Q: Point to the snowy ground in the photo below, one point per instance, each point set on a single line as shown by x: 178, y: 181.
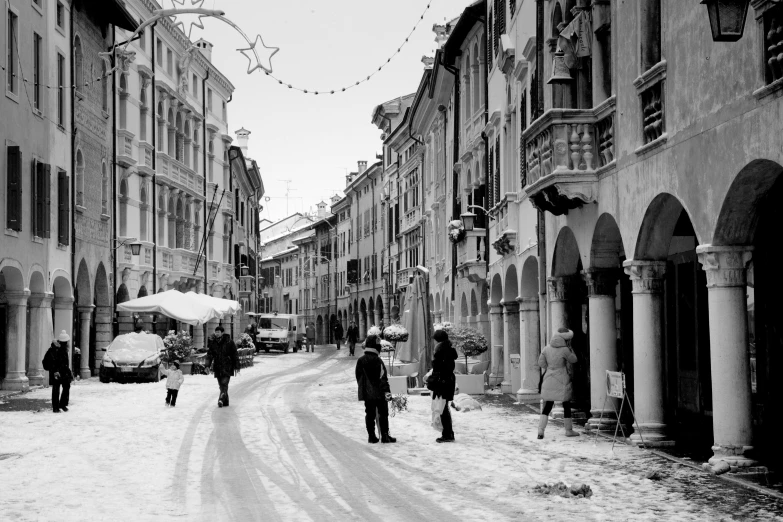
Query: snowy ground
x: 292, y: 446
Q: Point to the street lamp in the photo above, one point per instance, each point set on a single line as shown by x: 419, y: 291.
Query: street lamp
x: 135, y: 246
x: 244, y: 270
x: 468, y: 219
x: 727, y: 18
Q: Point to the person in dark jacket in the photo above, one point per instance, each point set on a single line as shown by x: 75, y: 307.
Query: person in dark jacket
x: 338, y: 334
x: 223, y: 358
x: 374, y: 390
x: 353, y: 337
x: 443, y: 380
x: 56, y: 363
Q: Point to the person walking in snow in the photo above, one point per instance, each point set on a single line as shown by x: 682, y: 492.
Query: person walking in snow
x: 352, y: 336
x: 223, y: 358
x: 173, y: 382
x: 443, y: 380
x: 374, y: 390
x: 554, y: 360
x: 338, y: 333
x: 310, y: 335
x: 56, y: 363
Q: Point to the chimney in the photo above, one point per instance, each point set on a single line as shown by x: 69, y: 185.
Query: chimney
x: 441, y: 34
x: 334, y: 199
x: 321, y: 209
x: 349, y: 178
x: 206, y: 49
x: 243, y: 135
x: 362, y: 166
x: 428, y: 61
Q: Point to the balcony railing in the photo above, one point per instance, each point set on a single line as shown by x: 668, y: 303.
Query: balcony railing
x: 471, y: 255
x: 403, y: 277
x: 565, y: 150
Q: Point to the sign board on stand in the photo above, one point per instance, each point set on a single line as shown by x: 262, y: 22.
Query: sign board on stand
x: 615, y: 387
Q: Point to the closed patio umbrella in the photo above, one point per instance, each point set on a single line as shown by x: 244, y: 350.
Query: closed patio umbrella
x: 176, y: 305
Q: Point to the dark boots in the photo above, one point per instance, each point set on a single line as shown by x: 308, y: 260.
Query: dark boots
x: 387, y: 439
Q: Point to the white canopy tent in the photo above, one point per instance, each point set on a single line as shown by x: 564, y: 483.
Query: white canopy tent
x: 190, y: 308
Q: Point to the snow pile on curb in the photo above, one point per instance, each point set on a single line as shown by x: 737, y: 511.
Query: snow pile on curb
x: 562, y: 490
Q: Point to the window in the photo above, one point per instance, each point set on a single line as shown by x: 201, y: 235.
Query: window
x: 225, y: 112
x: 78, y: 63
x: 60, y: 90
x: 169, y: 61
x: 79, y: 179
x: 159, y: 53
x: 653, y: 111
x: 40, y: 183
x: 143, y: 115
x: 123, y: 102
x: 104, y: 87
x: 209, y: 99
x: 104, y: 190
x: 37, y: 73
x: 143, y: 40
x: 63, y: 207
x: 650, y: 34
x: 60, y: 15
x: 195, y: 86
x: 773, y: 37
x: 13, y: 188
x: 11, y: 62
x: 123, y: 208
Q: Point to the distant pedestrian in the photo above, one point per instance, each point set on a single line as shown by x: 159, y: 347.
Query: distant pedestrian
x: 554, y: 360
x: 442, y: 382
x: 56, y: 363
x: 173, y: 382
x: 374, y: 390
x: 310, y: 335
x: 223, y: 358
x: 353, y: 337
x: 338, y: 334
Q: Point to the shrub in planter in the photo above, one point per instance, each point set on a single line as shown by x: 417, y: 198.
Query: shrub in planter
x: 245, y: 341
x: 395, y: 333
x: 469, y: 341
x: 456, y: 231
x: 179, y: 346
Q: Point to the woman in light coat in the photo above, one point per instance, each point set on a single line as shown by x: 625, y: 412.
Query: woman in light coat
x: 554, y: 360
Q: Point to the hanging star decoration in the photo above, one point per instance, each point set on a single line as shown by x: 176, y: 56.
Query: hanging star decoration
x: 198, y: 4
x: 259, y: 52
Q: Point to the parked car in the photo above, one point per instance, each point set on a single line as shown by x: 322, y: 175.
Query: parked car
x: 277, y: 331
x: 132, y: 357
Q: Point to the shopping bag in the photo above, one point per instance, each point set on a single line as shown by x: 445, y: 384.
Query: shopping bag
x: 437, y: 409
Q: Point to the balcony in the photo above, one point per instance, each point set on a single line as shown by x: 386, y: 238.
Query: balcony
x: 125, y: 148
x: 404, y: 277
x: 566, y: 150
x: 145, y: 158
x: 178, y: 175
x: 471, y: 261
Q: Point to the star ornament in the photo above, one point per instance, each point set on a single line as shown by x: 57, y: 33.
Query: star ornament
x: 262, y: 54
x: 197, y: 4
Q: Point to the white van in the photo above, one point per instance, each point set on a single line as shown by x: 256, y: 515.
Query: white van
x: 277, y: 331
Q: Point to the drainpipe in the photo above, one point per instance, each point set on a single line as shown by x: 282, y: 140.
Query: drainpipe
x: 114, y: 173
x: 455, y: 158
x: 204, y: 170
x: 73, y: 168
x: 154, y: 108
x: 484, y: 136
x: 543, y: 308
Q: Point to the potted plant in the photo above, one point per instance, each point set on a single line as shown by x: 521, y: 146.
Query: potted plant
x: 178, y: 347
x: 247, y: 347
x: 471, y: 343
x: 393, y: 334
x: 456, y: 231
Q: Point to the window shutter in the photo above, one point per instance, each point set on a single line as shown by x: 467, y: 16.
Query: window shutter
x: 496, y: 29
x: 38, y: 199
x: 47, y: 202
x: 14, y: 202
x: 489, y: 41
x: 34, y: 191
x: 490, y: 179
x: 497, y: 170
x: 502, y: 17
x: 63, y: 208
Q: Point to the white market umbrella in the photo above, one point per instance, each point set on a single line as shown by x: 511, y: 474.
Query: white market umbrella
x: 411, y: 350
x: 174, y: 304
x: 224, y: 306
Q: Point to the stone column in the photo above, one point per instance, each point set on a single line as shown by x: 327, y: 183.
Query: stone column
x: 648, y: 367
x: 40, y: 335
x: 16, y: 337
x: 103, y: 333
x: 729, y: 364
x: 559, y: 292
x: 511, y: 345
x: 85, y: 318
x: 496, y: 342
x: 601, y: 288
x: 377, y: 317
x: 438, y: 316
x: 484, y: 327
x: 362, y: 326
x: 529, y: 349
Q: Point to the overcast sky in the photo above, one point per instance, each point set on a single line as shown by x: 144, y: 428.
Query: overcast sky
x: 324, y: 44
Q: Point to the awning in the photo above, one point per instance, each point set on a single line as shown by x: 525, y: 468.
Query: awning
x: 183, y: 307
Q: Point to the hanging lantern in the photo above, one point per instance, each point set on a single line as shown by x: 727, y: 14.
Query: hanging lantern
x: 727, y: 18
x: 560, y: 73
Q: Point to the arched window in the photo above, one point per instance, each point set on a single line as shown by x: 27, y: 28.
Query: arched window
x: 172, y: 145
x: 78, y: 63
x: 104, y: 189
x: 143, y: 214
x: 178, y: 139
x: 104, y: 87
x: 143, y: 115
x: 180, y: 225
x: 226, y: 171
x: 124, y: 208
x: 187, y: 227
x: 476, y: 75
x: 161, y: 127
x: 211, y: 159
x: 172, y: 235
x: 195, y: 151
x: 466, y: 81
x: 161, y: 239
x: 79, y: 178
x: 226, y: 237
x: 123, y: 102
x: 186, y: 146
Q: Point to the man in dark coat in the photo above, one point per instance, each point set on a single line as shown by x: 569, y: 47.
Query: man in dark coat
x: 443, y: 380
x: 374, y: 390
x: 353, y: 337
x: 338, y: 333
x: 310, y: 336
x: 56, y: 363
x: 223, y: 358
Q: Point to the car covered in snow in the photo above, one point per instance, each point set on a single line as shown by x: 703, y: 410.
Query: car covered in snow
x: 277, y: 331
x: 132, y: 357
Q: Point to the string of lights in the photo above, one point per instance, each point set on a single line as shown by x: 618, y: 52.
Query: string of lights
x: 361, y: 81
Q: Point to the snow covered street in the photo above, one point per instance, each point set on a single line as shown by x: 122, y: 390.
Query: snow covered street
x: 292, y: 446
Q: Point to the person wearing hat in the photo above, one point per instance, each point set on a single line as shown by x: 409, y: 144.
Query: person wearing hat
x: 554, y: 360
x: 374, y: 390
x: 173, y: 382
x: 56, y: 363
x: 223, y: 358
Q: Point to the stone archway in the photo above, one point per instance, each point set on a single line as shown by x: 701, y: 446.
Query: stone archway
x: 371, y: 312
x: 379, y: 315
x: 671, y: 345
x: 39, y: 326
x: 13, y: 326
x: 530, y: 335
x: 101, y: 324
x: 497, y: 340
x: 511, y: 346
x: 743, y: 276
x: 463, y: 309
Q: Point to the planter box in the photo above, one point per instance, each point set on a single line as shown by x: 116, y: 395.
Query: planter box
x: 398, y: 385
x: 470, y: 384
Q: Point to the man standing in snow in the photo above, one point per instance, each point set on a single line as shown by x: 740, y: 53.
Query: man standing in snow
x: 374, y: 390
x: 56, y: 363
x: 353, y: 337
x: 310, y: 334
x: 224, y: 360
x: 338, y: 333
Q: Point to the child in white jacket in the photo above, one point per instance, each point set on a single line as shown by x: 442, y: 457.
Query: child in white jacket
x: 174, y: 381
